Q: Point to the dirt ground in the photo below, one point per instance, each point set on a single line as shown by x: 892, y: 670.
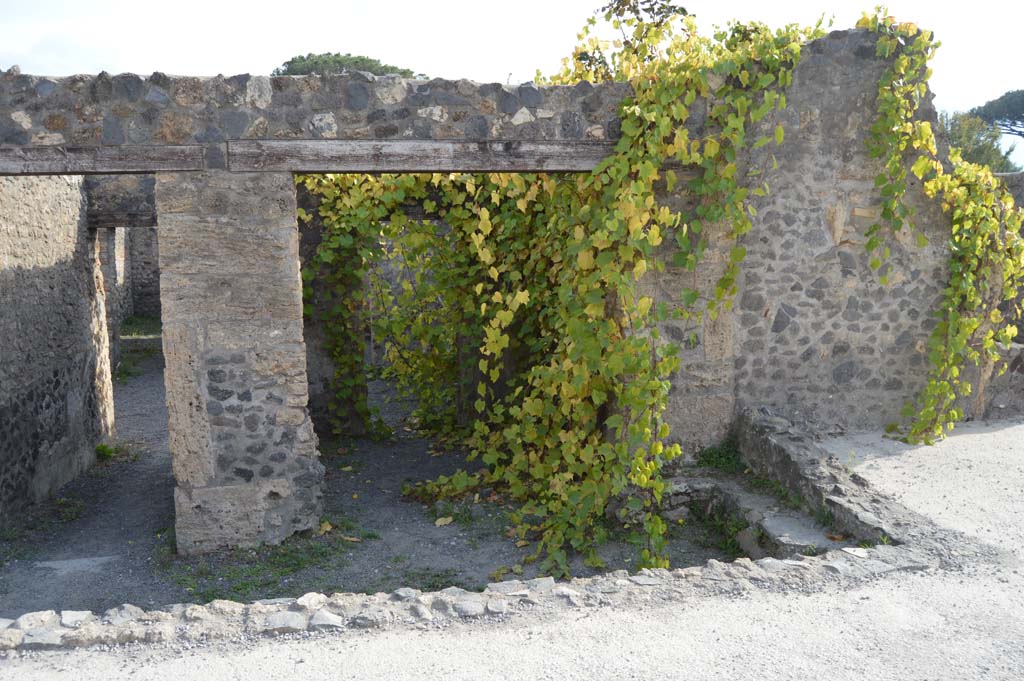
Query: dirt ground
x: 107, y: 537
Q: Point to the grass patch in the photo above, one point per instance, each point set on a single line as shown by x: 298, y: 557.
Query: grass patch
x: 719, y: 532
x: 724, y: 457
x: 130, y: 363
x: 68, y: 510
x: 140, y: 327
x: 106, y: 453
x: 461, y: 512
x: 265, y: 571
x: 777, y: 490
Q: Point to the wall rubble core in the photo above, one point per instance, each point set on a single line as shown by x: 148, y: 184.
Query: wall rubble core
x: 242, y: 442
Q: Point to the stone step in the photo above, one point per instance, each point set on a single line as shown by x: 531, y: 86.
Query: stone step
x: 773, y: 528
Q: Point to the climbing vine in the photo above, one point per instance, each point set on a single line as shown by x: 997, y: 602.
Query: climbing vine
x: 986, y: 266
x: 524, y: 299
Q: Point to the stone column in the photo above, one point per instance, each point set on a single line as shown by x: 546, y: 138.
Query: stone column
x: 242, y: 443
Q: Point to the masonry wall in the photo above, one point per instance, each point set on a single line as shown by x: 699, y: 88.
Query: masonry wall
x: 55, y: 394
x: 145, y: 271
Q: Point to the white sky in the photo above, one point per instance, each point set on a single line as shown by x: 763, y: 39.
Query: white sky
x: 482, y: 40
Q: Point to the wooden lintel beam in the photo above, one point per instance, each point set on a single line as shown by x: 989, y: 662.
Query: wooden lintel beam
x: 81, y: 160
x: 397, y: 156
x: 106, y: 219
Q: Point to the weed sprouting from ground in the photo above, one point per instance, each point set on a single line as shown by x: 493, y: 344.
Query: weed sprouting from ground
x: 131, y: 361
x: 724, y: 457
x: 140, y: 327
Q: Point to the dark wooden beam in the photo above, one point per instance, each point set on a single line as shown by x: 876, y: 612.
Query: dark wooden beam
x: 398, y: 156
x: 101, y: 219
x: 69, y: 160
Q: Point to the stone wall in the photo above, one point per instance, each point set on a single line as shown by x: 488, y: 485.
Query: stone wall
x: 56, y: 401
x: 816, y: 335
x: 160, y: 110
x: 145, y: 271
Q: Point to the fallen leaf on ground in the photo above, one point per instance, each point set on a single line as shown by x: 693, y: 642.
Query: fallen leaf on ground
x: 347, y: 538
x: 346, y: 469
x: 441, y: 522
x: 325, y: 527
x: 522, y: 542
x: 836, y: 537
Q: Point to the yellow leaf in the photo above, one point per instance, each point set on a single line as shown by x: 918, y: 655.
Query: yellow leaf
x: 494, y: 273
x: 639, y: 267
x: 346, y: 469
x: 355, y: 496
x: 325, y: 527
x: 585, y: 259
x: 441, y: 522
x: 352, y: 539
x: 521, y: 543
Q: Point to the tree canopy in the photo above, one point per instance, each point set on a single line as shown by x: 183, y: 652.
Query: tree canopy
x: 1006, y: 112
x: 327, y: 63
x: 978, y: 141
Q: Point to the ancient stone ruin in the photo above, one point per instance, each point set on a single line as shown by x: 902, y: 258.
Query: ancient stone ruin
x: 813, y: 334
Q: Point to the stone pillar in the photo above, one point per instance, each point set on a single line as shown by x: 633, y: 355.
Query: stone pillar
x: 242, y: 443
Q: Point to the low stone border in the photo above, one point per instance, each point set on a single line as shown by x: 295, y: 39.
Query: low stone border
x: 771, y: 445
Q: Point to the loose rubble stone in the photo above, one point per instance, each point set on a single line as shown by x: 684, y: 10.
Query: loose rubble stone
x: 371, y: 618
x: 226, y: 608
x: 73, y: 619
x: 43, y: 619
x: 421, y: 612
x: 123, y: 613
x: 468, y: 607
x: 540, y: 584
x: 404, y: 594
x: 645, y: 580
x: 325, y: 619
x: 42, y: 639
x: 11, y: 638
x: 285, y: 622
x: 310, y: 602
x: 497, y: 607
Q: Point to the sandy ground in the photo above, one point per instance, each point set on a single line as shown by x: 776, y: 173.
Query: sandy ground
x: 967, y: 624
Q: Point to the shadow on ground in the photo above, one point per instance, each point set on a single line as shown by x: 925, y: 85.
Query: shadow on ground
x: 107, y: 538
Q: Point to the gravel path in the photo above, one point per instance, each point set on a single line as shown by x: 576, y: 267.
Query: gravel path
x: 96, y: 544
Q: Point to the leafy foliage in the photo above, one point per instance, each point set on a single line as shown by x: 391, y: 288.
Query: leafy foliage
x: 524, y: 292
x: 1006, y: 112
x: 334, y: 62
x: 986, y: 250
x: 978, y: 141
